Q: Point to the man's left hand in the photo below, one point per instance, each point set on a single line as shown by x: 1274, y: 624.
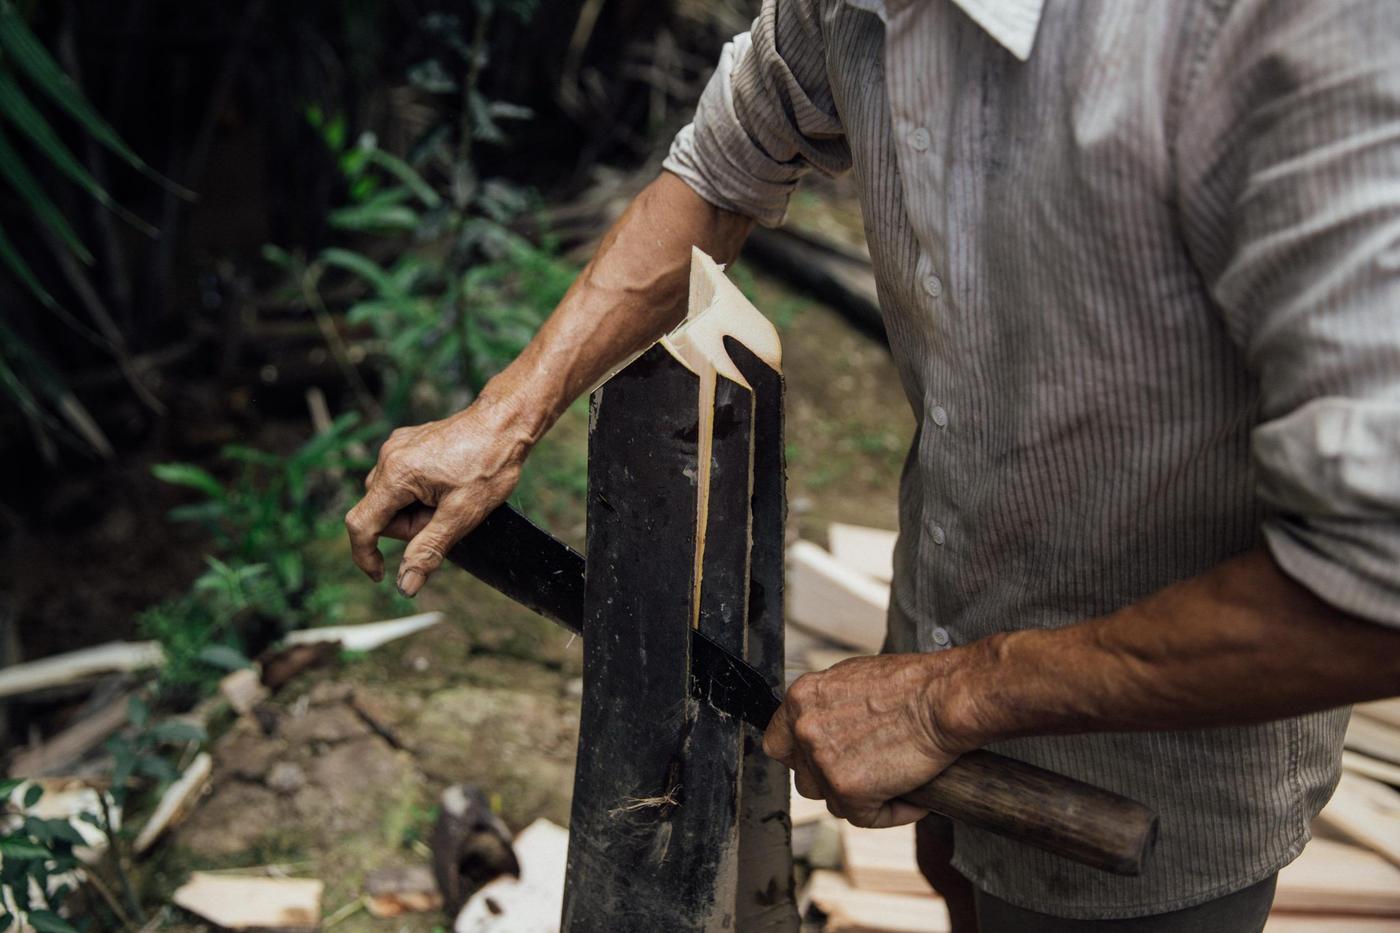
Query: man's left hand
x: 865, y: 731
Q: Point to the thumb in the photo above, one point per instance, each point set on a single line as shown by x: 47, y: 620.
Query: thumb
x: 450, y: 523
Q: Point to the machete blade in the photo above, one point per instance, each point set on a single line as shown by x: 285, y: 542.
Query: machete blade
x: 519, y: 559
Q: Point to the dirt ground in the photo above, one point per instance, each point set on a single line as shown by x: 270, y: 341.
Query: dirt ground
x: 491, y: 696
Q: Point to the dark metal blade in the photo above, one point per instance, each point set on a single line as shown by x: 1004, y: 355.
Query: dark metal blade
x: 516, y: 557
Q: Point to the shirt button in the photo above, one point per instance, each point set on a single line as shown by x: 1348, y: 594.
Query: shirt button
x: 938, y: 536
x: 933, y: 285
x: 940, y: 637
x: 919, y: 138
x: 940, y: 417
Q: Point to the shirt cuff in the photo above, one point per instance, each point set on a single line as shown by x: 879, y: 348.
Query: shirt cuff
x: 720, y: 161
x: 1330, y: 471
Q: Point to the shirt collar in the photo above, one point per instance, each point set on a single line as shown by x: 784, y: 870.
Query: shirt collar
x: 1012, y: 23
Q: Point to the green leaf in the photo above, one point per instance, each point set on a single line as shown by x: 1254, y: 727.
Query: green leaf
x: 14, y: 170
x: 176, y: 731
x: 7, y: 787
x: 224, y: 657
x: 25, y: 117
x: 16, y: 264
x: 31, y: 796
x: 374, y: 217
x: 46, y: 921
x: 22, y: 850
x: 187, y: 474
x: 362, y: 266
x: 407, y: 176
x: 64, y: 831
x: 137, y: 712
x: 6, y: 919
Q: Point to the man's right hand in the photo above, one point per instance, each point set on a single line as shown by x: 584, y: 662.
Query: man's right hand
x: 432, y: 485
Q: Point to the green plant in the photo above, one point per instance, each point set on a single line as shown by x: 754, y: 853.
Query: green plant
x: 36, y: 864
x: 262, y: 579
x: 27, y: 378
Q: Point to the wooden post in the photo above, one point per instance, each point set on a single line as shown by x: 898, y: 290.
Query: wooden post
x: 679, y: 822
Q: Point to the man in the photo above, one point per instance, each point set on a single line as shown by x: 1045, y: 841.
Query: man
x: 1140, y: 269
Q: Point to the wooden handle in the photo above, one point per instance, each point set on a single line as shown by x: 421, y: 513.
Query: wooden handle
x: 1043, y: 809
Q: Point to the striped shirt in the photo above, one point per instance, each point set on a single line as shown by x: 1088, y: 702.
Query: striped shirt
x: 1139, y: 264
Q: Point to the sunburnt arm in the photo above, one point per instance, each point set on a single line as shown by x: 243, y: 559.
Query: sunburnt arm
x: 1241, y: 643
x: 433, y: 483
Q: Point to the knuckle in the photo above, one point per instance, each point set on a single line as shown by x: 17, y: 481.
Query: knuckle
x: 807, y: 731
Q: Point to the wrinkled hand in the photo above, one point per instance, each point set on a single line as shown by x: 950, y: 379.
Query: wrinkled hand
x: 865, y: 731
x: 432, y: 485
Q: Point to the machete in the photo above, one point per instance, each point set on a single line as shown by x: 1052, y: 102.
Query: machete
x: 1021, y: 801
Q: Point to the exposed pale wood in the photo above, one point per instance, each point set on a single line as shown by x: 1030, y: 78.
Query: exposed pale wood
x: 1334, y: 877
x: 850, y: 910
x: 68, y: 747
x: 1282, y: 922
x: 533, y: 902
x: 77, y: 666
x: 833, y: 600
x: 243, y: 902
x: 243, y: 689
x: 869, y: 550
x: 1386, y: 711
x: 1367, y: 813
x: 820, y: 659
x: 176, y: 803
x: 1374, y: 737
x: 366, y: 636
x: 1373, y: 768
x: 882, y: 860
x: 393, y: 892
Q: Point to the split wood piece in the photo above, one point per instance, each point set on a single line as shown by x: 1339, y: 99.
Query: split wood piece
x: 243, y: 689
x: 658, y: 811
x: 117, y: 657
x: 869, y: 550
x: 851, y: 910
x: 60, y: 753
x: 1367, y: 813
x: 1373, y: 768
x: 1283, y: 922
x: 532, y: 902
x: 176, y: 803
x: 882, y: 860
x: 393, y: 892
x: 366, y: 636
x: 1386, y: 711
x: 1334, y: 877
x: 246, y: 902
x: 1374, y: 737
x: 829, y: 598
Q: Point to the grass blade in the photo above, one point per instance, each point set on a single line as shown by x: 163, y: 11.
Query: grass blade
x: 14, y: 170
x: 18, y: 109
x: 30, y: 56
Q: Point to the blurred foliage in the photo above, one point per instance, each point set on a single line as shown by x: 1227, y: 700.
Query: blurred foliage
x: 263, y: 579
x: 36, y: 863
x: 28, y: 380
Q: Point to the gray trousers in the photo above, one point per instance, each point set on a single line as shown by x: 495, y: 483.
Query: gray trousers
x: 1242, y: 912
x: 975, y: 911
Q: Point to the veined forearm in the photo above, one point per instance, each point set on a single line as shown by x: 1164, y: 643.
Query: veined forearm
x: 1242, y: 643
x: 631, y: 293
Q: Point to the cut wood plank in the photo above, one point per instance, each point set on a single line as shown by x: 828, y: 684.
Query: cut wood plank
x: 831, y: 599
x: 882, y: 860
x: 243, y: 689
x: 65, y: 749
x: 1280, y: 922
x: 76, y: 666
x: 246, y: 902
x: 366, y: 636
x: 393, y: 892
x: 1335, y: 877
x: 851, y: 910
x: 531, y: 903
x: 1373, y: 768
x: 1374, y: 737
x: 869, y: 550
x: 177, y: 801
x: 1367, y: 813
x: 1386, y: 711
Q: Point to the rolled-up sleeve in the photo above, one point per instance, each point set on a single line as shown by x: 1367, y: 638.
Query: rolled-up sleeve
x: 766, y: 118
x: 1308, y: 280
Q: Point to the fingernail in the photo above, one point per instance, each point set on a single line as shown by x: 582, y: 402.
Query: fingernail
x: 410, y: 582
